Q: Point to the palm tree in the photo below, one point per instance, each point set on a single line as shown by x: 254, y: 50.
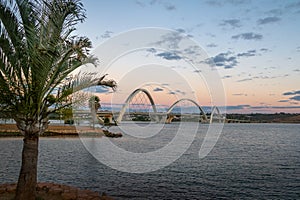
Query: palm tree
x: 38, y: 51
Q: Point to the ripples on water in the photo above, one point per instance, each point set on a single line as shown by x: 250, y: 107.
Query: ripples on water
x: 250, y: 161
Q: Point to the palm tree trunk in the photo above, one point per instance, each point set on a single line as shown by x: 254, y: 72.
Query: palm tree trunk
x: 26, y: 188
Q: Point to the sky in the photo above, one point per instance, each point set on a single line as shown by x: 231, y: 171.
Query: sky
x: 255, y: 46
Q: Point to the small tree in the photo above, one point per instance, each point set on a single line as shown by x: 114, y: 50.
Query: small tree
x: 37, y: 54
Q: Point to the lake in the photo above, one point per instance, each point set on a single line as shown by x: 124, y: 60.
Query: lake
x: 249, y: 161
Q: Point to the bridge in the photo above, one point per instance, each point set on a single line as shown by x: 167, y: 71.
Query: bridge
x: 153, y: 114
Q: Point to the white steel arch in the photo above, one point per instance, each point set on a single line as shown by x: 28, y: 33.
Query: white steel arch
x: 190, y: 100
x: 216, y: 110
x: 130, y: 97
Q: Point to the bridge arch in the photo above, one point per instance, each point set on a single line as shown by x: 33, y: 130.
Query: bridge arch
x: 190, y: 100
x: 130, y: 97
x: 216, y: 110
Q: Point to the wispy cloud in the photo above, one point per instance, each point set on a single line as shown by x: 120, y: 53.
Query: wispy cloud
x: 226, y: 76
x: 249, y: 53
x: 167, y: 5
x: 291, y: 93
x: 268, y: 20
x: 158, y: 89
x: 171, y: 39
x: 239, y: 94
x: 168, y: 55
x: 233, y: 23
x: 140, y: 3
x: 211, y: 35
x: 276, y: 12
x: 244, y: 80
x: 265, y: 50
x: 248, y: 36
x: 106, y: 34
x: 177, y: 92
x: 293, y: 5
x: 180, y: 30
x: 211, y: 45
x: 224, y: 2
x: 283, y: 101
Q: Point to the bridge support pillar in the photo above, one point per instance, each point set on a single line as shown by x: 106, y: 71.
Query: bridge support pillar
x: 169, y: 119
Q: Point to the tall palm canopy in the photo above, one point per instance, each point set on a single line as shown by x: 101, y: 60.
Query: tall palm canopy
x: 38, y: 51
x: 37, y: 54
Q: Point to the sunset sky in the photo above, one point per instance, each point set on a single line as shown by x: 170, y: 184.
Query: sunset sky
x: 255, y: 44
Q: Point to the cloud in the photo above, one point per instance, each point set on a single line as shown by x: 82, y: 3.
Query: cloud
x: 177, y: 92
x: 227, y: 76
x: 224, y: 2
x: 214, y: 3
x: 151, y: 50
x: 288, y: 93
x: 234, y: 23
x: 158, y: 89
x: 167, y: 5
x: 296, y: 70
x: 265, y: 50
x: 140, y: 3
x: 283, y: 101
x: 225, y: 60
x: 295, y: 98
x: 169, y: 56
x: 240, y: 94
x: 298, y: 49
x: 249, y: 53
x: 106, y: 34
x: 293, y: 5
x: 291, y: 93
x: 245, y: 79
x: 211, y: 35
x: 171, y: 40
x: 275, y: 12
x: 180, y: 30
x: 248, y: 36
x: 268, y: 20
x: 211, y: 45
x: 180, y: 92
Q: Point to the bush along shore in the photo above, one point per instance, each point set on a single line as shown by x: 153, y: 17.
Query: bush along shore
x: 10, y: 130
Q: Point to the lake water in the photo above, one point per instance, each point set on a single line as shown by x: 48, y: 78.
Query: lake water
x: 249, y: 161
